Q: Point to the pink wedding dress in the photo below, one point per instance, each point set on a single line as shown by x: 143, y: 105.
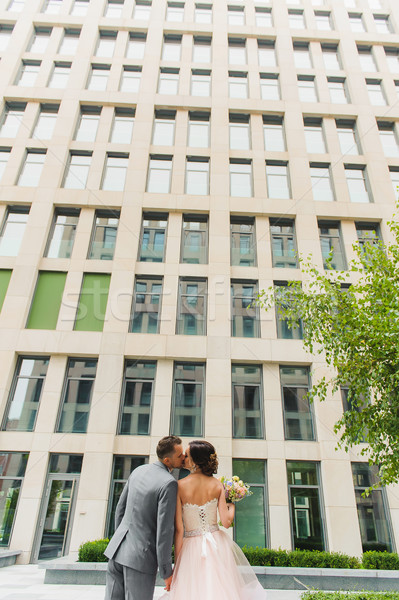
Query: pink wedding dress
x: 210, y: 565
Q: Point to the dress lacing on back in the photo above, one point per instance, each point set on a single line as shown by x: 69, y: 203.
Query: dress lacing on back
x: 198, y: 519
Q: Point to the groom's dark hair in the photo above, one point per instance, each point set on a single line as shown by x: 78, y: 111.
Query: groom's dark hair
x: 167, y: 445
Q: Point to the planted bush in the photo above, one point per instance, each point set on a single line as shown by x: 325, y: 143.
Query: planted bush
x: 381, y: 560
x: 93, y: 551
x: 265, y: 557
x: 349, y: 596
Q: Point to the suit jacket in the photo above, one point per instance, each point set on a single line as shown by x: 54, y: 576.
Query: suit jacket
x: 144, y: 521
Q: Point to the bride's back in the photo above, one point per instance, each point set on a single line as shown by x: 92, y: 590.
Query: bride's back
x: 199, y: 489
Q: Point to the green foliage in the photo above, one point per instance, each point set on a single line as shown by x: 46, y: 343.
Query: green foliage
x: 349, y: 596
x: 381, y: 560
x: 352, y: 318
x: 93, y: 551
x: 264, y: 557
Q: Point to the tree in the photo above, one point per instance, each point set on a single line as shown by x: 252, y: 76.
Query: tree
x: 353, y: 318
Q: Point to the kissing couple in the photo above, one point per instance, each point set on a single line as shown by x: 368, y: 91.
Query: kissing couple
x: 154, y: 510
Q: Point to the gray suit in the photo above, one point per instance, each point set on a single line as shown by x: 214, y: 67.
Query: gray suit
x: 142, y: 542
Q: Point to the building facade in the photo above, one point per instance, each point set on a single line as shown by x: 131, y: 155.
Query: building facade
x: 161, y: 162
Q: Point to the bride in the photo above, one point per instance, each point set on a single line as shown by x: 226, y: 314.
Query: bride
x: 208, y: 564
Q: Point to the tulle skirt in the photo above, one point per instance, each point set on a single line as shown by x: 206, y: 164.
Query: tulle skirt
x: 217, y: 570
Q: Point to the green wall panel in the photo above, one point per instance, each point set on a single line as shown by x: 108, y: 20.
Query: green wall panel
x: 47, y: 300
x: 5, y: 276
x: 92, y: 302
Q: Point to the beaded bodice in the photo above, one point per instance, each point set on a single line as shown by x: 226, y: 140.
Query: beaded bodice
x: 200, y: 519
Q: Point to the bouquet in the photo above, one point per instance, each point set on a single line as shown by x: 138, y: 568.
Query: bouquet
x: 234, y: 488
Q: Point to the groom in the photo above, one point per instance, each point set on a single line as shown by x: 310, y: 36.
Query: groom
x: 144, y: 521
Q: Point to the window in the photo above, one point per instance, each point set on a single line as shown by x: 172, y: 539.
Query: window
x: 277, y: 178
x: 77, y: 170
x: 175, y: 12
x: 394, y: 173
x: 203, y: 13
x: 243, y: 241
x: 69, y: 42
x: 283, y: 241
x: 366, y: 58
x: 59, y: 76
x: 250, y: 521
x: 142, y: 10
x: 356, y: 178
x: 397, y: 87
x: 237, y: 51
x: 136, y: 45
x: 321, y: 182
x: 16, y: 6
x: 332, y: 250
x: 28, y: 73
x: 267, y: 53
x: 307, y: 88
x: 159, y: 174
x: 392, y: 56
x: 235, y: 15
x: 45, y: 123
x: 13, y: 229
x: 46, y: 301
x: 305, y: 505
x: 194, y: 240
x: 123, y: 466
x: 146, y: 305
x: 238, y: 84
x: 298, y: 418
x: 284, y: 331
x: 240, y: 178
x: 356, y: 23
x: 198, y: 129
x: 52, y: 7
x: 92, y: 302
x: 247, y: 402
x: 77, y: 393
x: 239, y: 132
x: 103, y: 239
x: 338, y: 90
x: 323, y: 20
x: 296, y: 19
x: 11, y: 119
x: 269, y: 86
x: 4, y: 156
x: 32, y: 168
x: 106, y: 44
x: 98, y: 77
x: 115, y: 170
x: 302, y: 56
x: 273, y: 133
x: 374, y: 4
x: 331, y: 57
x: 383, y: 24
x: 368, y: 234
x: 372, y: 510
x: 130, y: 80
x: 350, y: 3
x: 200, y: 83
x: 171, y: 49
x: 79, y: 8
x: 164, y: 128
x: 244, y: 313
x: 114, y: 9
x: 62, y: 234
x: 348, y: 138
x: 389, y: 138
x: 197, y: 175
x: 168, y: 81
x: 314, y: 135
x: 153, y: 237
x: 26, y: 390
x: 202, y: 49
x: 188, y: 399
x: 122, y: 126
x: 12, y: 471
x: 5, y: 34
x: 5, y: 276
x: 137, y: 393
x: 40, y: 40
x: 192, y: 306
x: 89, y: 118
x: 263, y: 17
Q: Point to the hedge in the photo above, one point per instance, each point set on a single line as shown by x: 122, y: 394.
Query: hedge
x: 93, y: 551
x: 381, y: 560
x: 349, y: 596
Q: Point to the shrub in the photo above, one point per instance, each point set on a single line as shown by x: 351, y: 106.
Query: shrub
x: 265, y: 557
x: 381, y: 560
x: 349, y: 596
x: 93, y: 551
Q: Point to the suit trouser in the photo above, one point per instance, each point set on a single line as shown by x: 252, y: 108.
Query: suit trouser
x: 124, y: 583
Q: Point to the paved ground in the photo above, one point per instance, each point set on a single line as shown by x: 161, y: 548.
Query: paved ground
x: 25, y: 582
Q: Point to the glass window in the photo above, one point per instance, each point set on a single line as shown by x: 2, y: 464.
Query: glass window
x: 307, y: 88
x: 306, y: 505
x: 250, y: 521
x: 348, y: 138
x: 284, y: 331
x: 239, y: 132
x: 383, y: 24
x: 171, y: 49
x: 98, y: 77
x: 283, y: 241
x: 194, y: 241
x: 59, y: 76
x: 323, y: 20
x: 168, y: 82
x: 331, y: 57
x: 52, y: 7
x: 40, y: 40
x: 146, y: 307
x: 366, y: 58
x: 11, y: 119
x: 273, y: 133
x: 142, y: 10
x: 12, y: 471
x: 374, y: 4
x: 136, y: 46
x: 197, y: 175
x: 235, y: 15
x: 26, y: 390
x: 298, y: 418
x: 203, y: 13
x: 16, y: 5
x: 103, y: 239
x: 93, y: 300
x: 153, y: 237
x: 372, y: 510
x: 368, y: 234
x: 392, y: 56
x: 89, y: 118
x: 277, y: 178
x: 4, y: 156
x: 13, y: 229
x: 192, y: 307
x: 314, y: 136
x: 302, y: 56
x: 266, y: 53
x: 122, y: 126
x: 69, y: 42
x: 137, y: 393
x: 296, y: 19
x: 237, y: 51
x: 394, y: 173
x: 389, y: 139
x: 5, y: 276
x: 198, y: 129
x: 356, y: 23
x: 44, y: 127
x: 106, y: 44
x: 28, y: 73
x: 115, y: 170
x: 76, y: 398
x: 77, y: 171
x: 321, y: 182
x: 47, y: 300
x: 114, y: 9
x: 263, y: 17
x: 164, y: 128
x: 243, y: 241
x: 159, y: 174
x: 244, y: 313
x: 175, y: 12
x: 79, y: 8
x: 130, y: 79
x: 202, y: 49
x: 338, y: 90
x: 241, y: 178
x: 238, y: 84
x: 247, y: 401
x: 32, y: 168
x: 356, y: 179
x: 269, y: 86
x: 62, y: 234
x: 332, y: 250
x: 122, y: 467
x: 188, y: 399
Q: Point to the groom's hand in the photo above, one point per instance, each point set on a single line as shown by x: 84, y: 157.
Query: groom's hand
x: 168, y: 581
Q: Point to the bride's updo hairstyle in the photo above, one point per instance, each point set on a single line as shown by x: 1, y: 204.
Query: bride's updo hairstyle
x: 203, y: 455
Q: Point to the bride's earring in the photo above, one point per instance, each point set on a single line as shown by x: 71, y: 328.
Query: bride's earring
x: 192, y: 468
